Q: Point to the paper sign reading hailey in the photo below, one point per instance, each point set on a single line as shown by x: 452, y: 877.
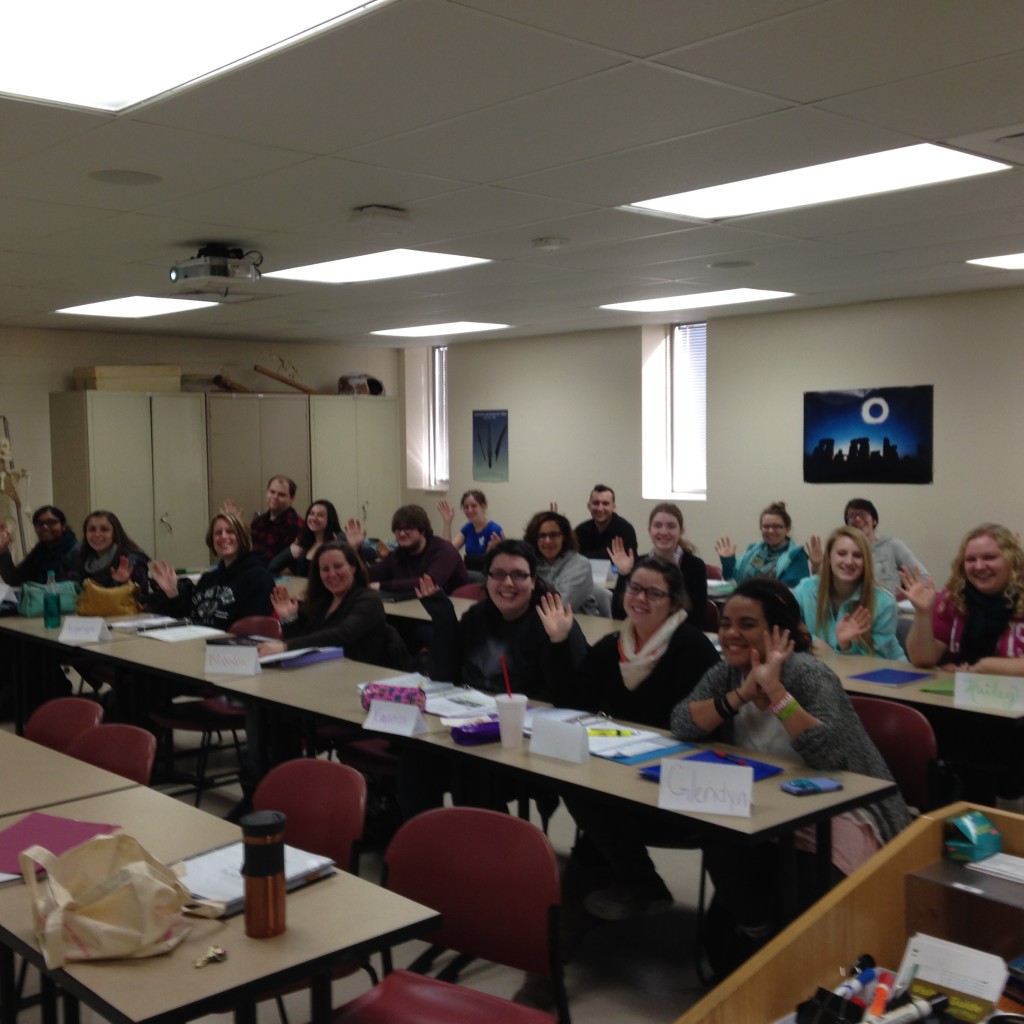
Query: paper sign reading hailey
x: 708, y: 788
x: 397, y: 719
x: 565, y: 740
x: 83, y: 629
x: 975, y: 690
x: 232, y: 661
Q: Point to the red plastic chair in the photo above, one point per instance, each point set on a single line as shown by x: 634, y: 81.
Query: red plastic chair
x: 906, y: 740
x: 123, y: 749
x: 474, y: 591
x: 711, y: 617
x: 257, y: 625
x: 494, y: 879
x: 57, y: 722
x: 713, y: 572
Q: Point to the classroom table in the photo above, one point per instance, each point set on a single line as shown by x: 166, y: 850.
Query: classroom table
x: 36, y: 776
x: 337, y: 920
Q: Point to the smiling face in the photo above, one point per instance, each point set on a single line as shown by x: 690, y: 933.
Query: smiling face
x: 550, y: 541
x: 985, y: 566
x: 316, y: 519
x: 510, y: 585
x: 336, y: 573
x: 647, y: 602
x: 665, y: 534
x: 49, y: 529
x: 99, y: 534
x: 774, y: 531
x: 846, y: 561
x: 601, y: 506
x: 410, y: 539
x: 279, y: 498
x: 473, y: 510
x: 225, y: 541
x: 741, y: 629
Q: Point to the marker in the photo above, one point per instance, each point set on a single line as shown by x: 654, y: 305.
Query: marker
x: 881, y: 996
x: 917, y: 1009
x: 609, y: 732
x: 854, y: 986
x: 731, y: 758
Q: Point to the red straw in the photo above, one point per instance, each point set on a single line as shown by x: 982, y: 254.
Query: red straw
x: 508, y: 682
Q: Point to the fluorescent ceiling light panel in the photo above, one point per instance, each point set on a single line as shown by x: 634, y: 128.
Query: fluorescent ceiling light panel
x: 1014, y: 261
x: 134, y: 307
x: 376, y: 266
x: 440, y: 330
x: 909, y: 167
x: 117, y: 53
x: 730, y: 297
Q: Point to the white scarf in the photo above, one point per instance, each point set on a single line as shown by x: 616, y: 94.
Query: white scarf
x: 636, y: 665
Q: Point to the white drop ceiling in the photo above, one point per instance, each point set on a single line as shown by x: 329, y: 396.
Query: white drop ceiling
x: 497, y: 122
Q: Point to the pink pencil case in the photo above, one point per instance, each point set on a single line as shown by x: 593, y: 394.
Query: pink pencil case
x: 393, y: 695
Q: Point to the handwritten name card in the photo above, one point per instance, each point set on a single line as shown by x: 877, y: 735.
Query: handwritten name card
x: 976, y: 690
x: 232, y: 661
x: 708, y: 788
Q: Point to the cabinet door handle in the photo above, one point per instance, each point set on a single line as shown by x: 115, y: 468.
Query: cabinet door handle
x: 167, y: 523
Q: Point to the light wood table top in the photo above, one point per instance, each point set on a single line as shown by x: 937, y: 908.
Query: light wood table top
x: 333, y: 921
x: 36, y: 776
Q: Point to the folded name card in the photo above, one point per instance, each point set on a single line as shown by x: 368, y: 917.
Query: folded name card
x: 565, y: 740
x: 83, y: 629
x: 232, y: 661
x: 977, y: 690
x: 688, y: 785
x: 397, y: 719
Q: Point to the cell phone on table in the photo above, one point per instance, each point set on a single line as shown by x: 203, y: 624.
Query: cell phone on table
x: 805, y: 787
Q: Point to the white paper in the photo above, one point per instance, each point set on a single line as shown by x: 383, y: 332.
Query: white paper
x: 951, y: 966
x: 83, y: 629
x: 143, y: 622
x: 566, y: 741
x: 231, y: 660
x: 978, y: 690
x: 397, y: 719
x: 7, y: 593
x: 176, y: 633
x: 1002, y: 865
x: 687, y: 785
x: 459, y: 702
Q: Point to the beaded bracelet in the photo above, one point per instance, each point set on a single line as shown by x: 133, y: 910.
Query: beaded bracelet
x: 784, y: 707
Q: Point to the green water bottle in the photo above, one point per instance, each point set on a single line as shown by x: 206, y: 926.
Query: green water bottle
x: 51, y: 602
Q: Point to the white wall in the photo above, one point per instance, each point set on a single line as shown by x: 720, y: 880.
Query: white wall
x: 34, y: 362
x: 574, y: 412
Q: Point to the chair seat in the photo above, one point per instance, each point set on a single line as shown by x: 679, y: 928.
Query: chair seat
x: 211, y: 713
x: 415, y: 999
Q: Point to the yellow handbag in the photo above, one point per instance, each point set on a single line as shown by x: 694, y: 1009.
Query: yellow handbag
x: 109, y: 601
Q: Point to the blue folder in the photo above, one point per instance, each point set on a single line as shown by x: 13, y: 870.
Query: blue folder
x: 762, y: 770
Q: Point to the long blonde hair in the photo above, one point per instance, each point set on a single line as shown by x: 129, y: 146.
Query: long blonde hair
x: 867, y: 581
x: 1010, y: 549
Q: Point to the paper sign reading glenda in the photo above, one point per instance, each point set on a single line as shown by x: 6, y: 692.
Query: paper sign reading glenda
x: 709, y: 788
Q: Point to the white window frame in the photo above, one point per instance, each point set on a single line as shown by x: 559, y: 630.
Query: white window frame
x: 426, y: 418
x: 674, y: 424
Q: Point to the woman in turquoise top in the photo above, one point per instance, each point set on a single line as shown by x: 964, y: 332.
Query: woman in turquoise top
x: 775, y: 556
x: 843, y: 606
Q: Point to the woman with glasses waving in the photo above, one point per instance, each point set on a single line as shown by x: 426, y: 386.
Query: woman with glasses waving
x: 775, y: 555
x: 560, y: 564
x: 503, y: 625
x: 637, y: 675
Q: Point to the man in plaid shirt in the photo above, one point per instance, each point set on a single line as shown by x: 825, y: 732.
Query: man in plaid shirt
x: 273, y: 530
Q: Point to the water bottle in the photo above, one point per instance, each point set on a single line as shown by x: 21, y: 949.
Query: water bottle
x: 51, y: 602
x: 263, y: 871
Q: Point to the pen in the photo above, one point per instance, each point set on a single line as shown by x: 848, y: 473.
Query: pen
x: 732, y: 758
x: 609, y: 732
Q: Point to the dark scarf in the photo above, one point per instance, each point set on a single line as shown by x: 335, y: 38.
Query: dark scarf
x: 988, y: 615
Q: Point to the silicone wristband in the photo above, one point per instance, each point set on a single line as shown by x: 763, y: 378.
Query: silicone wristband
x: 779, y: 708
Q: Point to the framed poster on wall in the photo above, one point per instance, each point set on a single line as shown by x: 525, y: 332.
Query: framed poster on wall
x: 868, y: 435
x: 490, y: 444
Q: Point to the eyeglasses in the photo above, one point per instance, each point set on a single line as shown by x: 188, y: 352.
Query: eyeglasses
x: 516, y: 575
x: 773, y: 526
x: 549, y: 536
x: 651, y: 593
x: 49, y: 523
x: 857, y: 513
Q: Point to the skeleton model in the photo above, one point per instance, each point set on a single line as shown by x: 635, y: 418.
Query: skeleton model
x: 11, y: 504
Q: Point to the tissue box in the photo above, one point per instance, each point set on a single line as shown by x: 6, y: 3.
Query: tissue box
x: 972, y: 837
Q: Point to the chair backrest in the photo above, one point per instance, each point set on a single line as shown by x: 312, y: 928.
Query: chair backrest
x: 473, y: 591
x: 123, y: 749
x: 712, y: 571
x: 57, y: 722
x: 324, y: 803
x: 906, y: 740
x: 493, y: 877
x: 257, y: 625
x: 711, y: 617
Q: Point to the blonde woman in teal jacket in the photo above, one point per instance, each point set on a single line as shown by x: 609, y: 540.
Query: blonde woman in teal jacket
x: 843, y: 606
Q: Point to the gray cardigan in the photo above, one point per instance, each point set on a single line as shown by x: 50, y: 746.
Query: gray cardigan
x: 838, y: 744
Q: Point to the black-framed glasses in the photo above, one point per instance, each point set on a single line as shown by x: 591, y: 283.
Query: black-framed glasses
x: 50, y: 523
x: 549, y: 536
x: 516, y: 575
x: 651, y: 593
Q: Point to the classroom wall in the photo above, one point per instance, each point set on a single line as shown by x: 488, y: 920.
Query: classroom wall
x: 35, y: 362
x: 574, y: 413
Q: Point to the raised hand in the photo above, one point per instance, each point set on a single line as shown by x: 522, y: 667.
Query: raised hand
x: 555, y: 617
x: 815, y: 552
x: 271, y: 647
x: 285, y: 606
x: 426, y: 587
x: 621, y: 558
x: 920, y: 590
x: 553, y: 506
x: 232, y: 508
x: 447, y: 512
x: 764, y: 681
x: 852, y: 626
x: 725, y: 548
x: 122, y: 572
x: 165, y: 578
x: 496, y: 538
x: 355, y: 533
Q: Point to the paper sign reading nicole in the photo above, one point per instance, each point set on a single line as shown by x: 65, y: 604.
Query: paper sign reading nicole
x: 708, y: 788
x: 974, y: 689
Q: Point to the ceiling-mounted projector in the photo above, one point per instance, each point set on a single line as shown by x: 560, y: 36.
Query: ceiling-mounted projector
x: 216, y: 268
